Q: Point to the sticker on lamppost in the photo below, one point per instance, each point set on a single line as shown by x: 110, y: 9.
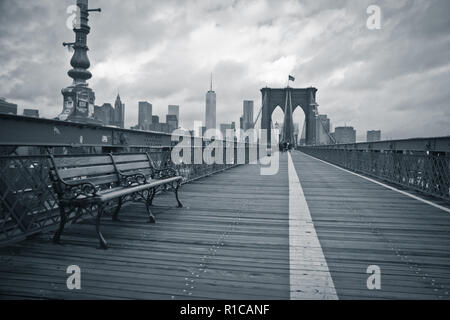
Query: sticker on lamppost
x: 374, y: 280
x: 374, y: 20
x: 74, y: 280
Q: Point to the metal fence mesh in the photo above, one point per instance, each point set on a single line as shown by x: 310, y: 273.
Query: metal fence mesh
x: 28, y: 204
x: 425, y: 172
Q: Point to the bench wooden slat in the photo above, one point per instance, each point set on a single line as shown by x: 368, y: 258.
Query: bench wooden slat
x: 145, y: 172
x: 99, y: 180
x: 133, y: 166
x: 62, y: 162
x: 86, y: 171
x: 130, y: 158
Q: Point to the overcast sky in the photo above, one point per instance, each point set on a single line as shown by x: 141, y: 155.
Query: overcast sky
x: 395, y: 79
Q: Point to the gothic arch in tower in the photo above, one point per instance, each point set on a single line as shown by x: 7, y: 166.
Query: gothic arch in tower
x: 289, y: 99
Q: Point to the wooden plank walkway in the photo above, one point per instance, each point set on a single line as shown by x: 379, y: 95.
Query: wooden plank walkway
x: 360, y: 223
x: 231, y: 241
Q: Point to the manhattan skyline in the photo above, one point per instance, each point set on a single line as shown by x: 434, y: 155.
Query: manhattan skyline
x: 393, y: 79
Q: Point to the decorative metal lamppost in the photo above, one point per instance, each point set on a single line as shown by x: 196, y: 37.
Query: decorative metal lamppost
x: 79, y: 99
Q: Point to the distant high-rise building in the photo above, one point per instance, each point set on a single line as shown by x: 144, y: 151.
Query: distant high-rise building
x: 172, y: 121
x: 31, y: 113
x: 7, y: 108
x: 174, y: 110
x: 233, y: 126
x: 373, y: 136
x: 224, y: 127
x: 279, y: 127
x: 247, y: 117
x: 161, y: 127
x: 104, y: 114
x: 201, y: 131
x: 155, y: 119
x: 296, y: 131
x: 302, y: 137
x: 325, y: 122
x: 119, y: 113
x: 145, y: 115
x: 210, y: 115
x: 345, y: 135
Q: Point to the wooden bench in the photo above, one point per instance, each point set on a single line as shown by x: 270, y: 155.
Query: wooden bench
x: 95, y: 183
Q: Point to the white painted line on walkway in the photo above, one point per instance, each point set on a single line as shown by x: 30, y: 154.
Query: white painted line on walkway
x: 310, y: 278
x: 384, y: 185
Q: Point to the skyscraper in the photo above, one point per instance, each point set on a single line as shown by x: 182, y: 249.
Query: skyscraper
x: 210, y: 117
x: 104, y: 114
x: 7, y: 108
x: 373, y: 136
x: 345, y: 135
x: 172, y: 121
x: 326, y: 123
x: 224, y: 127
x: 34, y: 113
x: 145, y: 115
x: 119, y: 113
x: 248, y: 115
x: 174, y: 110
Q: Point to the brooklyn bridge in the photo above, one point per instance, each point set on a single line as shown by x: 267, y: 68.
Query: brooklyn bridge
x: 311, y: 231
x: 334, y: 220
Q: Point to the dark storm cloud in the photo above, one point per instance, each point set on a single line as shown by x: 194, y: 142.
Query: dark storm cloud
x: 394, y: 79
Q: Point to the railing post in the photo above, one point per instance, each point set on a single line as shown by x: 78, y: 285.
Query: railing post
x: 235, y: 151
x: 224, y: 154
x: 247, y: 152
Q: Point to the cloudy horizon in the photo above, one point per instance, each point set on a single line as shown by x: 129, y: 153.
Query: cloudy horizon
x: 394, y: 79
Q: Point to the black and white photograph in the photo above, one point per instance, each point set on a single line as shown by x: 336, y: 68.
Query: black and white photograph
x: 240, y: 152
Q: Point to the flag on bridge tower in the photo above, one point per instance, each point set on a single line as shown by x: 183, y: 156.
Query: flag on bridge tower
x: 291, y: 78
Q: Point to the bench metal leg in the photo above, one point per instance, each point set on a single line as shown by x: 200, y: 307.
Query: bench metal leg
x: 103, y: 243
x: 150, y: 196
x: 180, y: 205
x: 78, y: 215
x: 151, y: 217
x: 62, y: 223
x: 115, y: 216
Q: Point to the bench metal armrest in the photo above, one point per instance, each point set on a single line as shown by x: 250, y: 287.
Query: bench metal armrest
x: 162, y: 173
x: 70, y: 190
x: 74, y: 190
x: 128, y: 179
x: 131, y: 179
x: 165, y: 173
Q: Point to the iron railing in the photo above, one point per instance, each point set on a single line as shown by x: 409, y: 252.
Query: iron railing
x: 424, y: 171
x: 28, y: 204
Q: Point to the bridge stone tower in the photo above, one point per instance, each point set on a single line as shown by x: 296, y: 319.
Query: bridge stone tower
x: 289, y: 99
x: 79, y: 99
